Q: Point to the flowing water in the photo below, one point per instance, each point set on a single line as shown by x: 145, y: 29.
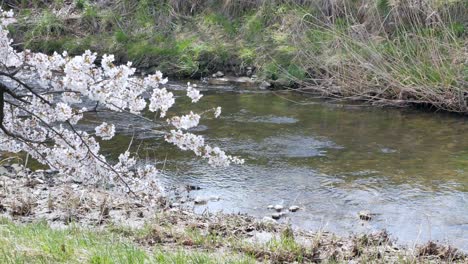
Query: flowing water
x: 407, y: 167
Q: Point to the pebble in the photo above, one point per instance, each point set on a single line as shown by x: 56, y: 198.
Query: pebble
x: 214, y: 198
x: 294, y: 208
x: 219, y: 74
x: 200, y: 200
x: 175, y: 205
x: 276, y: 216
x: 17, y: 167
x: 270, y: 207
x: 192, y: 187
x: 204, y: 200
x: 278, y: 207
x: 365, y: 215
x: 4, y: 171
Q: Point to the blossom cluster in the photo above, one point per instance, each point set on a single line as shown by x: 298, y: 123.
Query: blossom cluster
x: 39, y: 118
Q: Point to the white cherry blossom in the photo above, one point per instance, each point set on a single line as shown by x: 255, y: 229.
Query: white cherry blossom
x: 193, y: 93
x: 217, y: 112
x: 39, y: 117
x: 105, y: 131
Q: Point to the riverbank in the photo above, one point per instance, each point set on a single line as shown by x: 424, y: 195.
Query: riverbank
x: 71, y: 222
x: 398, y: 53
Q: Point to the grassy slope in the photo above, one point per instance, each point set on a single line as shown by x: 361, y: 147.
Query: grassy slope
x: 38, y: 243
x: 165, y: 243
x: 390, y: 52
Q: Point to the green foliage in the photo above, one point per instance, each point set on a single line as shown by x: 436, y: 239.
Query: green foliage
x: 295, y: 72
x: 458, y: 29
x: 80, y: 4
x: 90, y: 12
x: 384, y: 7
x: 48, y: 25
x: 120, y: 36
x: 228, y: 25
x: 272, y: 70
x: 247, y: 55
x: 253, y: 27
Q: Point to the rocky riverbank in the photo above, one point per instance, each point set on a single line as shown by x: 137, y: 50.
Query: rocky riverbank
x: 166, y: 220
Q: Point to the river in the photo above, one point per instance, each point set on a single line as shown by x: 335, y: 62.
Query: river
x: 333, y: 159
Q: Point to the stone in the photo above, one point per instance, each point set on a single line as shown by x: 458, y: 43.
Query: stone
x: 270, y: 207
x: 200, y: 200
x: 4, y: 171
x: 240, y: 82
x: 365, y: 215
x: 264, y: 85
x: 189, y: 187
x: 214, y: 198
x: 219, y: 74
x: 33, y: 182
x: 175, y: 205
x: 276, y: 216
x: 263, y: 237
x: 17, y: 167
x: 278, y: 207
x: 294, y: 208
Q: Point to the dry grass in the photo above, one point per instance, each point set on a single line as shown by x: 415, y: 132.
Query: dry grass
x: 401, y: 53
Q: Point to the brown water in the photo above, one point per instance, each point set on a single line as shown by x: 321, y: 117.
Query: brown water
x: 408, y: 167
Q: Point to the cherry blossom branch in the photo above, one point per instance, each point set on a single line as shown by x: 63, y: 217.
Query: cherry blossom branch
x: 102, y: 161
x: 38, y: 115
x: 29, y: 88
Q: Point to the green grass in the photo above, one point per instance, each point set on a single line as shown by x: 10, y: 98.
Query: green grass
x: 38, y: 243
x: 166, y: 240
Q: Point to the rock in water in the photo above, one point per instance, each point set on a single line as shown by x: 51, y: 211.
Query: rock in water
x: 192, y: 187
x: 265, y: 85
x: 270, y: 207
x: 365, y: 215
x: 294, y: 208
x: 200, y: 200
x: 278, y: 207
x: 214, y: 198
x: 276, y: 216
